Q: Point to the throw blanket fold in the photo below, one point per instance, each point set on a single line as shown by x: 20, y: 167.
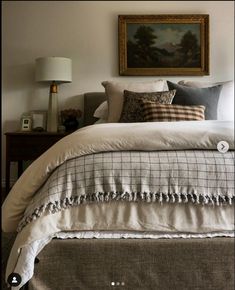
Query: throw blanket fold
x: 111, y: 137
x: 186, y: 176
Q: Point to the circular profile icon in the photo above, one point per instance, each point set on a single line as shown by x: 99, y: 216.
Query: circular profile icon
x: 14, y: 279
x: 223, y: 146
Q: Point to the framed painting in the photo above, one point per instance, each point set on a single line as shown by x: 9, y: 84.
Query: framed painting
x: 158, y: 45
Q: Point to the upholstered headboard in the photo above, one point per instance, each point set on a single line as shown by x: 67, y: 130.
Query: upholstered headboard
x: 91, y: 102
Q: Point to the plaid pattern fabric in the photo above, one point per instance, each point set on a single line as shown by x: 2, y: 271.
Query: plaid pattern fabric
x: 198, y: 176
x: 132, y: 111
x: 164, y: 112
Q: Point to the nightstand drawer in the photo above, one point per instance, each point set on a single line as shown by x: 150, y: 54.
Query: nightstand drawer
x: 29, y: 147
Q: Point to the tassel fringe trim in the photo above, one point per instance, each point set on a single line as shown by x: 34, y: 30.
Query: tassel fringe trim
x: 53, y: 207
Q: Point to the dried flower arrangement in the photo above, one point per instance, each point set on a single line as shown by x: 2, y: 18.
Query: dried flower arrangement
x: 70, y: 117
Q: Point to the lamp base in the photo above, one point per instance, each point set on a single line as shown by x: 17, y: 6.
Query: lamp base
x: 52, y: 115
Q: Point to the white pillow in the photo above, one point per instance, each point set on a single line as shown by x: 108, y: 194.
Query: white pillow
x: 114, y: 93
x: 102, y: 111
x: 225, y: 107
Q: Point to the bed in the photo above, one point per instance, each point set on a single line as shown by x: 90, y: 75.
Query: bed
x: 127, y: 235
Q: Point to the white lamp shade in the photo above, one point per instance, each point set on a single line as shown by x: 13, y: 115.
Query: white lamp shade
x: 50, y: 69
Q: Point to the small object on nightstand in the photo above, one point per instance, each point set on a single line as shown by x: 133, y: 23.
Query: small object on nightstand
x: 38, y: 129
x: 26, y: 123
x: 70, y: 119
x: 39, y: 119
x: 61, y: 128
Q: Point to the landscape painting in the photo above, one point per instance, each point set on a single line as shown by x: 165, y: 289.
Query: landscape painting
x: 157, y: 47
x: 163, y: 45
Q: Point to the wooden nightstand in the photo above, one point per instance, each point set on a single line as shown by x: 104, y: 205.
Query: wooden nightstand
x: 22, y: 146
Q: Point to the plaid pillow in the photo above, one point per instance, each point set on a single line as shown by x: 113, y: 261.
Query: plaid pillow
x: 166, y: 113
x: 132, y: 111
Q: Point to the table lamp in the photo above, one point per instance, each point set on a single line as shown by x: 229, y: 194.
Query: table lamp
x: 54, y: 70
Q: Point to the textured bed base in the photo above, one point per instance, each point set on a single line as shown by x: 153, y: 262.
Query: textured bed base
x: 136, y: 264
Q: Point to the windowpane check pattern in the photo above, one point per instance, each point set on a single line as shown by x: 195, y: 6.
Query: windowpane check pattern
x: 198, y: 176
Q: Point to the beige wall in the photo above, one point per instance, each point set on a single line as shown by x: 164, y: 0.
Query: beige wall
x: 86, y: 31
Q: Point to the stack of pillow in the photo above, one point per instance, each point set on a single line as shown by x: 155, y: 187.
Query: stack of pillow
x: 162, y: 100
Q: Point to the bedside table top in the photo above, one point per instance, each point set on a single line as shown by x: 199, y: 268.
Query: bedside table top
x: 35, y: 133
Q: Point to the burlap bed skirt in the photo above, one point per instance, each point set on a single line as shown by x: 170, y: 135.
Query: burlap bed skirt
x: 135, y: 264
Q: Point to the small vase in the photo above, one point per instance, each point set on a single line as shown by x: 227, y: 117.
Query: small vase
x: 71, y: 124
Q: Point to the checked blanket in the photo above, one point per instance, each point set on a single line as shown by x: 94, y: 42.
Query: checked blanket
x: 121, y: 137
x: 197, y: 176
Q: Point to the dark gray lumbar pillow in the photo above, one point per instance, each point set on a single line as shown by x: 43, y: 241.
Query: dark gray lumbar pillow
x: 207, y: 97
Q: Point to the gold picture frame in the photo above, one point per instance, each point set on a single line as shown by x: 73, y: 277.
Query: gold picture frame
x: 163, y: 45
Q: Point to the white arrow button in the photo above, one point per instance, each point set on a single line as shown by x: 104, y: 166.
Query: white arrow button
x: 223, y: 146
